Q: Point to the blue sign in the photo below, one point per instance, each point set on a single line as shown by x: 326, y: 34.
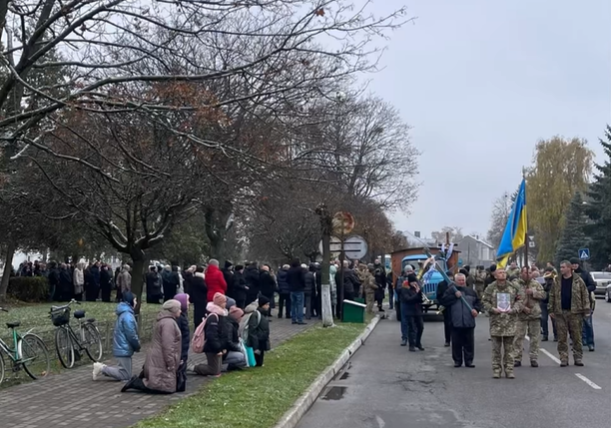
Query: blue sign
x: 459, y: 262
x: 584, y: 254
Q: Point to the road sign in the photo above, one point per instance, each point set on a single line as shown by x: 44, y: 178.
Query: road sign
x: 343, y: 223
x: 584, y: 254
x: 355, y: 247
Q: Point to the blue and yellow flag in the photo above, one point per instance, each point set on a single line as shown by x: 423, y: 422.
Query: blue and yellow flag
x: 514, y: 236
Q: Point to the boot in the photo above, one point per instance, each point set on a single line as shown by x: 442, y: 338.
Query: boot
x: 509, y: 375
x: 544, y: 339
x: 412, y: 349
x: 534, y: 363
x: 591, y: 348
x: 517, y: 363
x: 496, y: 374
x: 578, y: 363
x: 404, y: 342
x: 564, y: 364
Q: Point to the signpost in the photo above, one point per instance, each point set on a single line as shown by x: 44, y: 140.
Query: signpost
x: 355, y: 247
x: 343, y: 224
x: 584, y: 254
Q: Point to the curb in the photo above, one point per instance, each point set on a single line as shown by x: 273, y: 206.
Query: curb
x: 292, y: 417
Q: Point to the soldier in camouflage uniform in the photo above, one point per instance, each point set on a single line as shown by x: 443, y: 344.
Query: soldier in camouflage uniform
x: 503, y: 325
x: 529, y: 319
x: 569, y: 305
x: 369, y: 286
x: 513, y: 271
x: 480, y: 279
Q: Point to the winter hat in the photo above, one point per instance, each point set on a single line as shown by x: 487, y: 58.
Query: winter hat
x: 236, y: 313
x: 128, y: 297
x: 172, y: 305
x: 574, y: 261
x: 263, y: 300
x: 219, y: 299
x: 230, y: 303
x: 183, y: 299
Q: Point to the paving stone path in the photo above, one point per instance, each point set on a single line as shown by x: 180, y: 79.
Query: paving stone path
x: 73, y: 399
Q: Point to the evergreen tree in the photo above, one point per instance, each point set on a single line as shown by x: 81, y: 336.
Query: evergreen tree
x: 573, y: 236
x: 598, y: 209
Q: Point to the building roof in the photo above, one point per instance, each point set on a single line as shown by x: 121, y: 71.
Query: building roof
x: 476, y: 239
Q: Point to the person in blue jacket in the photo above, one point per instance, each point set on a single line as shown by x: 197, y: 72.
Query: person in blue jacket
x: 124, y: 343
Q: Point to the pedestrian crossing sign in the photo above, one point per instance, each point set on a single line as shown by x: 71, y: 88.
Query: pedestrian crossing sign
x: 584, y: 254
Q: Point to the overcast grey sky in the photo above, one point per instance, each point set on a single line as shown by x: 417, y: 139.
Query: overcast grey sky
x: 480, y: 82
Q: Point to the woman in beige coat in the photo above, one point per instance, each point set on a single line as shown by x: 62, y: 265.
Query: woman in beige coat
x: 163, y: 358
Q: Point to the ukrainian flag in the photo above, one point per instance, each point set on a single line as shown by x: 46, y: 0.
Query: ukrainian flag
x: 514, y: 236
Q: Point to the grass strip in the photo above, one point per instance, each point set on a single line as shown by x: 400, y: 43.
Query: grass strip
x: 36, y: 315
x: 258, y: 397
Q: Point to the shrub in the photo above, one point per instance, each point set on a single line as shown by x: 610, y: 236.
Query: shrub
x: 29, y: 289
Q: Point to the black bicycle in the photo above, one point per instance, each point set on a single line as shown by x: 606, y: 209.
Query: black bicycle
x: 68, y: 344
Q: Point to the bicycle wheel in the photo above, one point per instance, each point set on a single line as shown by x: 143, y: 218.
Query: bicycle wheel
x: 34, y: 356
x: 64, y: 348
x: 93, y: 342
x: 1, y: 368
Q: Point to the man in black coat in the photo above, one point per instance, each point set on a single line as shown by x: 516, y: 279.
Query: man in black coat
x: 412, y: 322
x: 284, y: 291
x: 198, y: 294
x: 240, y: 289
x: 296, y: 281
x: 268, y: 286
x: 380, y: 278
x: 228, y: 275
x: 463, y: 319
x: 442, y: 287
x: 588, y: 325
x: 252, y: 277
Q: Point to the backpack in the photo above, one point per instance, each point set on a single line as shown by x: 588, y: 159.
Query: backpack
x: 244, y: 325
x: 199, y: 336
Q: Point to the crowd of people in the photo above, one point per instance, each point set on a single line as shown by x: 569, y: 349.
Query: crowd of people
x: 518, y: 301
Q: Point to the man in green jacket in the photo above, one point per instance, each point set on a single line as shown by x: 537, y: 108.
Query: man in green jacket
x: 569, y: 305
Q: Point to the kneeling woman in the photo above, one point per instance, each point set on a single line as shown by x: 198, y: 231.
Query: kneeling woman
x: 163, y: 358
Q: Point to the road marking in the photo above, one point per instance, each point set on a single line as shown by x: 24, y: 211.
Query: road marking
x: 557, y: 361
x: 588, y: 381
x: 380, y: 422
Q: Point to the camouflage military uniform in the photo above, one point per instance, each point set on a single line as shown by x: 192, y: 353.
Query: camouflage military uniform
x: 502, y: 326
x: 512, y: 273
x: 530, y: 322
x: 480, y: 279
x: 369, y: 286
x: 570, y: 321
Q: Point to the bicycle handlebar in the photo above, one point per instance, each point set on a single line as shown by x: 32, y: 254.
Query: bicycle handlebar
x: 59, y: 308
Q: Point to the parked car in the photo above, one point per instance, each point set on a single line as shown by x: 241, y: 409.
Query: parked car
x: 602, y: 280
x: 608, y: 294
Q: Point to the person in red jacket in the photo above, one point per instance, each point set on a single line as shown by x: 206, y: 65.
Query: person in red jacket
x: 215, y: 280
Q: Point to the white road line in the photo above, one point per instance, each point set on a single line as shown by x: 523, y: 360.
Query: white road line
x: 380, y: 422
x: 553, y: 357
x: 557, y: 361
x: 588, y: 381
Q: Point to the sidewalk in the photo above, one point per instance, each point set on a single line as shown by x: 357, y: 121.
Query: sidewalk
x: 72, y: 398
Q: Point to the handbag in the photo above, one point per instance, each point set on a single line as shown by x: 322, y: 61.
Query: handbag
x: 243, y: 351
x: 181, y: 380
x: 250, y: 357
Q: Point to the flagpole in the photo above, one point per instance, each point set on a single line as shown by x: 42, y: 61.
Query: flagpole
x: 526, y: 243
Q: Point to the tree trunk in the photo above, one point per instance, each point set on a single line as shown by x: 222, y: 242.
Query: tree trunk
x: 139, y: 260
x: 326, y: 226
x: 6, y: 275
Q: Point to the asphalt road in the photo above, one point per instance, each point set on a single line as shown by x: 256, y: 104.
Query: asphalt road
x: 385, y: 386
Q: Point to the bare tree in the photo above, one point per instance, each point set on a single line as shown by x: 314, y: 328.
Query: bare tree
x: 501, y: 210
